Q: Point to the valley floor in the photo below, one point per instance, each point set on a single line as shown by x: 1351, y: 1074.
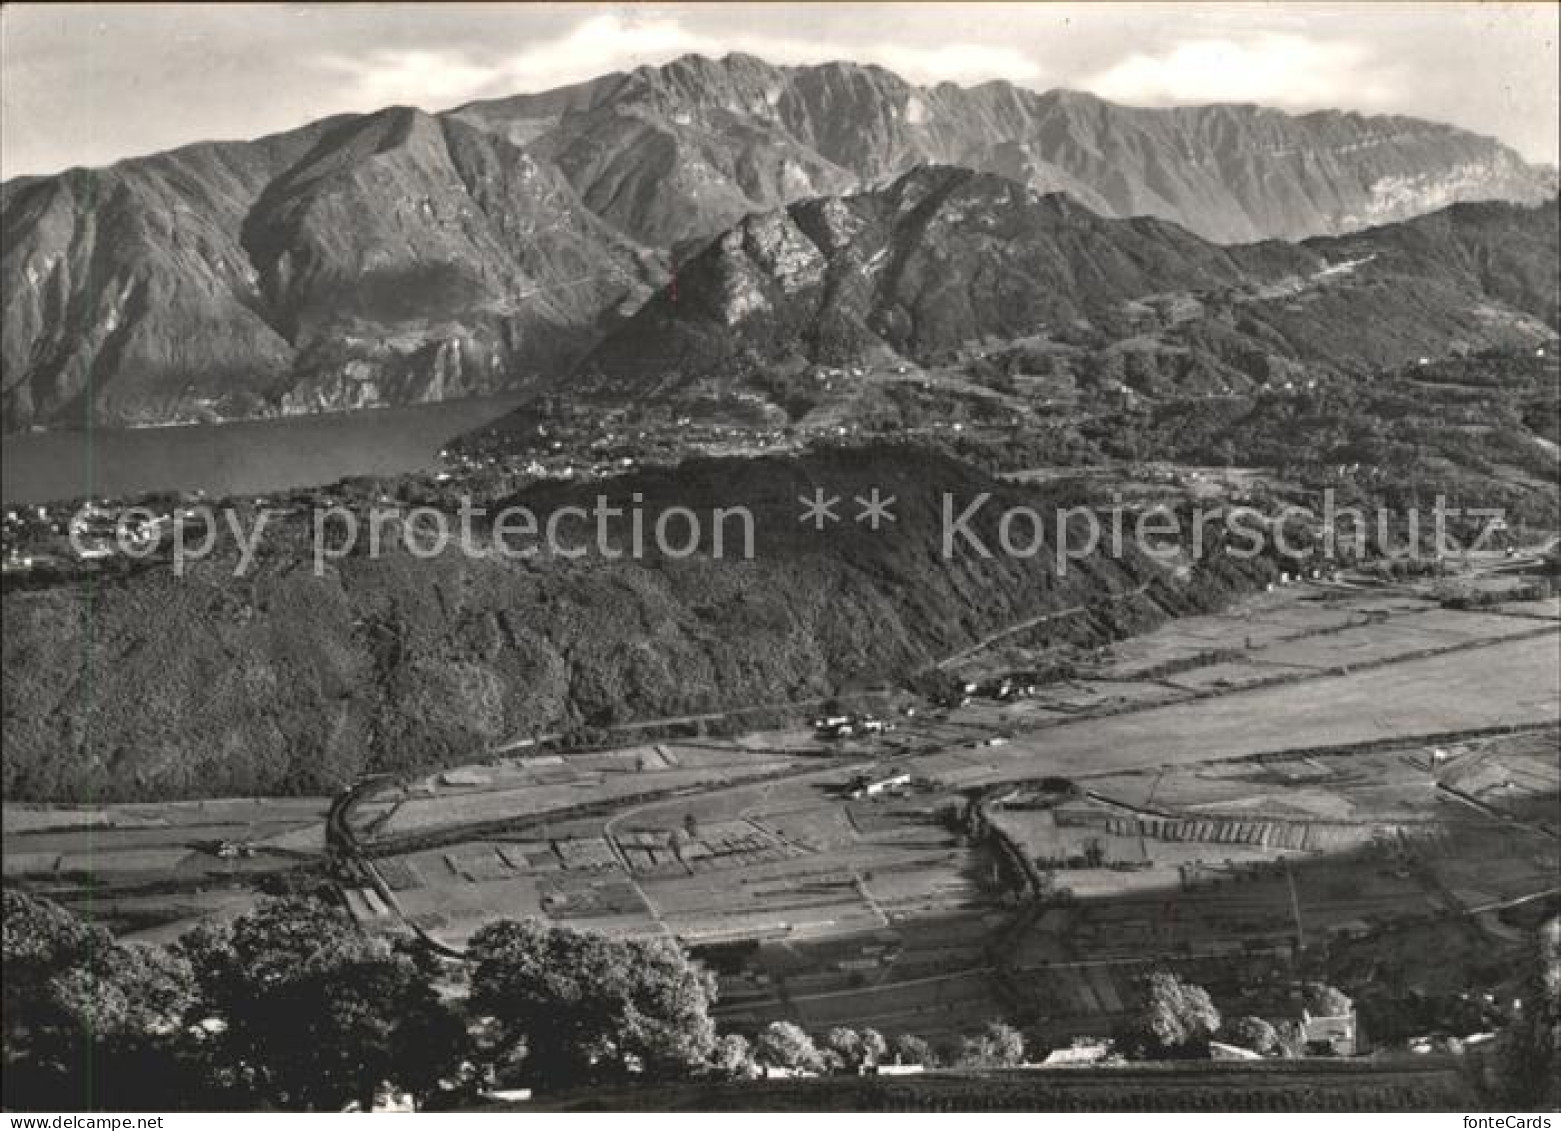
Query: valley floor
x: 1319, y: 764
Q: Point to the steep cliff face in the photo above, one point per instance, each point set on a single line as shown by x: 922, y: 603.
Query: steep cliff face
x: 737, y: 135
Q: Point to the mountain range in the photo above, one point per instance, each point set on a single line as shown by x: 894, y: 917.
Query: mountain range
x: 398, y: 256
x: 907, y: 286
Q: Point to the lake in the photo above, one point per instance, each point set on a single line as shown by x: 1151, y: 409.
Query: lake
x: 238, y: 458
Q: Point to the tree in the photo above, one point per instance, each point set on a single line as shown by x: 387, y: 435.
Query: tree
x: 128, y: 1010
x: 874, y: 1047
x: 996, y: 1046
x: 908, y: 1048
x: 1172, y: 1018
x: 843, y: 1049
x: 316, y: 1013
x: 783, y: 1044
x: 947, y: 1050
x: 1527, y: 1069
x: 38, y: 940
x: 1322, y: 1000
x: 584, y: 1007
x: 1251, y: 1033
x: 733, y: 1057
x: 1291, y: 1036
x: 74, y: 997
x: 128, y: 989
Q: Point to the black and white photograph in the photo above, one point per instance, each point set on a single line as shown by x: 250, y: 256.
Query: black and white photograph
x: 872, y: 557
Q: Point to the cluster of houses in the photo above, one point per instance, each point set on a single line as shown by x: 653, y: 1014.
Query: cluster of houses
x: 28, y: 531
x: 1003, y: 689
x: 567, y: 444
x: 1008, y: 688
x: 891, y: 784
x: 99, y: 530
x: 56, y: 534
x: 850, y: 726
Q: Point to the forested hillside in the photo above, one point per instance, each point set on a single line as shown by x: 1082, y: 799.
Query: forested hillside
x: 155, y: 686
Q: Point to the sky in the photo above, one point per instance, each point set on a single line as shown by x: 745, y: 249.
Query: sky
x: 84, y: 84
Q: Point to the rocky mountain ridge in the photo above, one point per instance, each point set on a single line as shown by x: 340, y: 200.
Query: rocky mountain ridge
x: 684, y: 149
x: 909, y: 286
x: 398, y: 256
x: 385, y: 259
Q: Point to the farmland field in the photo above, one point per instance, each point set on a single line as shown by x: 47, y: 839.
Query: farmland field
x: 1310, y: 766
x: 156, y: 869
x: 1511, y: 682
x: 1184, y: 847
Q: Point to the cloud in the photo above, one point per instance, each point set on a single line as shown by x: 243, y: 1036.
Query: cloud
x: 965, y: 63
x: 408, y: 77
x: 439, y: 77
x: 434, y: 78
x: 1283, y: 70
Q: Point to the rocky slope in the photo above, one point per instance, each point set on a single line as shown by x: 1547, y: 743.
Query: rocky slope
x: 397, y: 256
x: 685, y: 149
x: 946, y: 265
x: 384, y: 259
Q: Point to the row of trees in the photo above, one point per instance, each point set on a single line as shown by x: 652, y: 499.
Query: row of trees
x: 786, y: 1046
x: 1170, y: 1019
x: 293, y: 1006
